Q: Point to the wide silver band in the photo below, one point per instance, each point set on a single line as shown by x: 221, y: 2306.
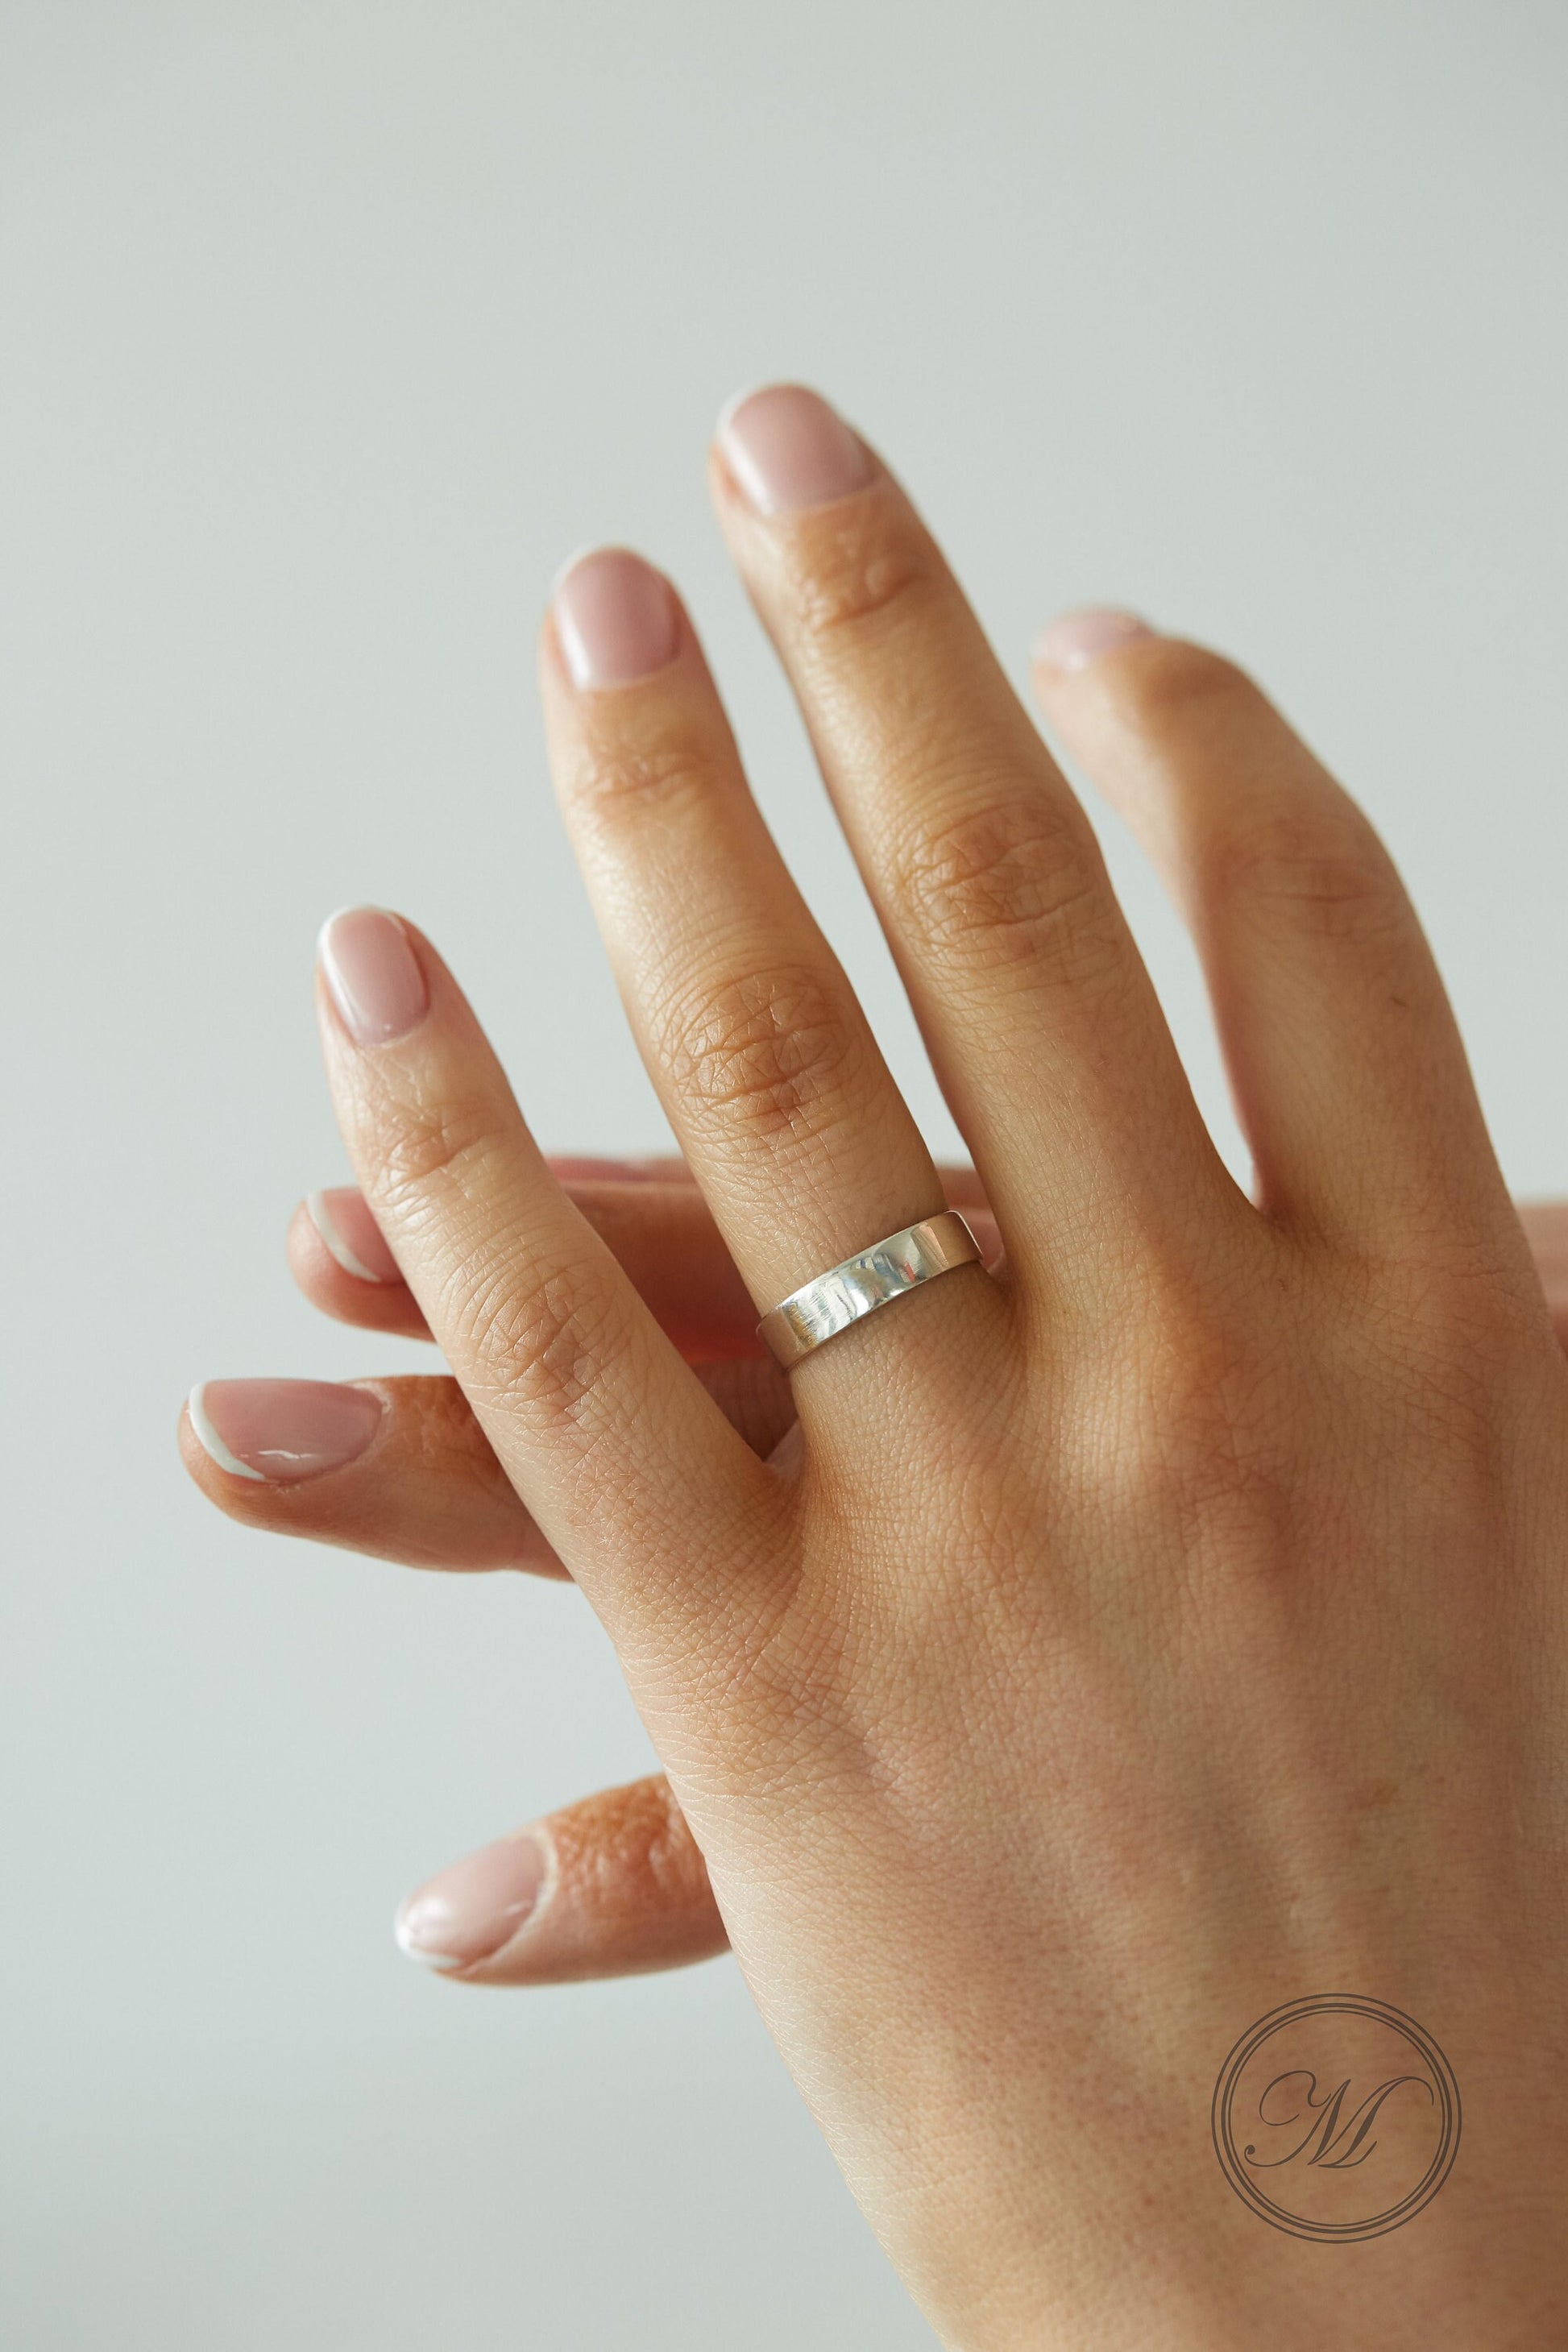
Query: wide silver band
x: 819, y: 1310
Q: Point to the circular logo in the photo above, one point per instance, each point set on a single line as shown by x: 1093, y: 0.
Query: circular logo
x: 1336, y: 2117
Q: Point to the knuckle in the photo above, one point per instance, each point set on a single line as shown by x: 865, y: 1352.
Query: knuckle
x: 1197, y: 1437
x: 853, y: 567
x: 1323, y: 874
x: 651, y: 1851
x: 773, y: 1054
x: 1213, y: 1432
x: 1456, y: 1317
x: 1012, y: 880
x: 611, y: 780
x: 536, y: 1332
x: 634, y: 1871
x: 437, y: 1143
x: 544, y: 1341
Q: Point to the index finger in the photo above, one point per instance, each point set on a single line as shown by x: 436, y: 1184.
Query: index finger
x: 638, y: 1481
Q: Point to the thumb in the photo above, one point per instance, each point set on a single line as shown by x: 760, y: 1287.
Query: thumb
x: 610, y: 1887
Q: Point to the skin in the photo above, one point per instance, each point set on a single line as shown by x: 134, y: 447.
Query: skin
x: 1196, y: 1639
x: 431, y: 1494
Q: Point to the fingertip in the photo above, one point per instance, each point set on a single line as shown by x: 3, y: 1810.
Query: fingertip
x: 212, y: 1445
x: 474, y: 1915
x: 618, y: 617
x: 788, y: 450
x: 373, y: 977
x: 1075, y: 641
x: 611, y: 1886
x: 405, y: 1935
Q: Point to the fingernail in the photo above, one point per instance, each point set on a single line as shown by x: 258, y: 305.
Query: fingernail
x: 1075, y: 639
x: 787, y: 449
x: 282, y: 1431
x: 374, y: 975
x: 343, y: 1218
x: 469, y: 1912
x: 614, y: 617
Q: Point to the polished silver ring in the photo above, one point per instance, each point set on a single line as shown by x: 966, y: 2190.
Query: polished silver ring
x: 819, y: 1310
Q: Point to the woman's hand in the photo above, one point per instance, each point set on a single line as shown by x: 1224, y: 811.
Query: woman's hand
x: 629, y: 1891
x: 1128, y: 1641
x: 421, y: 1485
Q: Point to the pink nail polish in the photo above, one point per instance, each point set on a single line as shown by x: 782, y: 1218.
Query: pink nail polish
x: 281, y: 1430
x: 788, y: 449
x: 370, y: 966
x: 1075, y: 639
x: 343, y: 1218
x: 616, y: 618
x: 469, y: 1911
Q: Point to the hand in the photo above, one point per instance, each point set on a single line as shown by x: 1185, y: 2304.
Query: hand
x: 1134, y: 1636
x: 421, y: 1485
x: 631, y: 1891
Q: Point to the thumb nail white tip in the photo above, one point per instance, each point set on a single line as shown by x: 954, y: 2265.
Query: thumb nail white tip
x: 212, y: 1443
x: 421, y: 1953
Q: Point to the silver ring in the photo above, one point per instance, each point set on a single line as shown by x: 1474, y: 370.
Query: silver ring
x: 819, y: 1310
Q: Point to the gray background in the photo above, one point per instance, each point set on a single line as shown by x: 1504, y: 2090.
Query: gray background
x: 329, y: 330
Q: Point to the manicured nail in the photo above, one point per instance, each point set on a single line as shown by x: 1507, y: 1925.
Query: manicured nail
x: 1075, y: 639
x: 468, y: 1912
x: 787, y: 449
x: 343, y: 1218
x: 281, y: 1430
x: 374, y: 975
x: 614, y: 617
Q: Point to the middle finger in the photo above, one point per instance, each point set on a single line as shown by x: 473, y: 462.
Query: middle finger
x: 1036, y: 1007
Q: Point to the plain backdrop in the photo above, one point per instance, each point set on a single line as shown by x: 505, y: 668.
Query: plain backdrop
x: 329, y: 328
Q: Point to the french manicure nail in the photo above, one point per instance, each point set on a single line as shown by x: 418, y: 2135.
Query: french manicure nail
x: 282, y: 1431
x: 468, y: 1912
x: 341, y: 1216
x: 788, y: 449
x: 614, y: 617
x: 1075, y: 639
x: 374, y: 975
